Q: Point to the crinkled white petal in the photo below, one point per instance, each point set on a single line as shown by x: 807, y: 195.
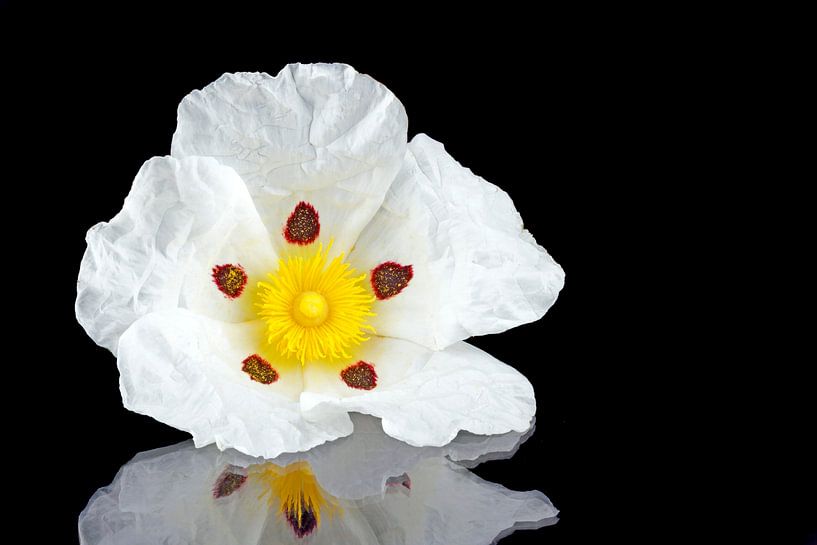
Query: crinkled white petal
x: 166, y: 496
x: 321, y: 133
x: 470, y: 450
x: 180, y: 219
x: 184, y: 369
x: 459, y: 388
x: 476, y: 270
x: 392, y: 359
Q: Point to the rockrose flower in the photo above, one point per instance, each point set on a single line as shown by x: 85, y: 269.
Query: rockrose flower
x: 399, y: 495
x: 295, y: 259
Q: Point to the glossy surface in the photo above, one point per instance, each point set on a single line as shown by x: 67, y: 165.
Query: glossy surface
x: 364, y: 489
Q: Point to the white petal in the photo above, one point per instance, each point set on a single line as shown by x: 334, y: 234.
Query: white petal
x: 470, y: 450
x: 392, y: 359
x: 165, y: 496
x: 321, y: 133
x: 459, y: 388
x: 449, y: 505
x: 476, y: 270
x: 387, y: 457
x: 180, y: 219
x: 184, y: 369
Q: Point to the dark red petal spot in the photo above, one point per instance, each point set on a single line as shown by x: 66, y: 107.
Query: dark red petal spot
x: 259, y: 369
x: 307, y: 524
x: 389, y: 279
x: 303, y: 226
x: 230, y: 279
x: 403, y: 480
x: 360, y: 375
x: 228, y: 482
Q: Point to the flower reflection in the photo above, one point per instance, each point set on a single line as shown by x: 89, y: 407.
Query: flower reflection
x: 365, y: 489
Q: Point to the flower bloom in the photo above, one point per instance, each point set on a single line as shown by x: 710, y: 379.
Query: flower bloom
x: 333, y: 494
x: 295, y: 259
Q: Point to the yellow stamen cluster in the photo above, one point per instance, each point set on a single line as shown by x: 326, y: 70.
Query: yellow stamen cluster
x: 315, y: 311
x: 295, y: 490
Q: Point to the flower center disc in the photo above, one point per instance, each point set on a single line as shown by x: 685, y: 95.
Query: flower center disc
x: 310, y: 309
x: 297, y: 493
x: 315, y: 309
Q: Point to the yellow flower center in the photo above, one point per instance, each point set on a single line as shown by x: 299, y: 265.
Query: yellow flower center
x: 297, y: 494
x: 310, y: 309
x: 313, y: 310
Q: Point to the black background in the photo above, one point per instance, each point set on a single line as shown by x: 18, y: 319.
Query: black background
x: 581, y: 119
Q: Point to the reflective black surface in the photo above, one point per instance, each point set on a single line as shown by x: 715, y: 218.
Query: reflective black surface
x: 366, y: 488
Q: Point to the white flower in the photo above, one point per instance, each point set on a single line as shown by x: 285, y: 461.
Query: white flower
x: 364, y: 489
x: 294, y: 259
